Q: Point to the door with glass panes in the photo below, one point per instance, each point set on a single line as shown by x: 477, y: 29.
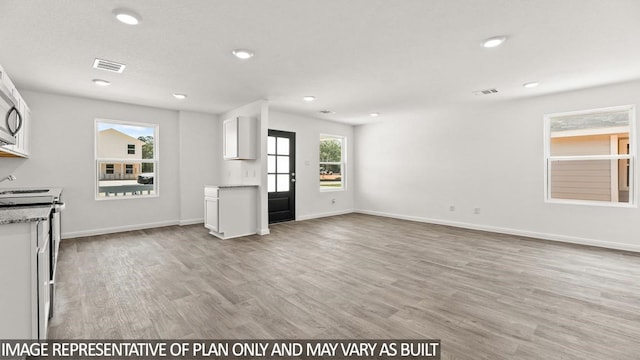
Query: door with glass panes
x: 281, y: 175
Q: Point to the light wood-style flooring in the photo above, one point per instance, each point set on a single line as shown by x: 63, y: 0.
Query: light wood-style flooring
x: 485, y: 295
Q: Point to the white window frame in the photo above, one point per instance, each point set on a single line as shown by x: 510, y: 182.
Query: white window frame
x: 342, y: 163
x: 633, y: 191
x: 155, y: 161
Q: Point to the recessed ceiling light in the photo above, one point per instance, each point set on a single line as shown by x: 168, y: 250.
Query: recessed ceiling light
x: 531, y: 84
x: 180, y: 96
x: 127, y: 16
x: 494, y: 41
x: 309, y: 98
x: 101, y: 82
x: 242, y: 54
x: 374, y: 114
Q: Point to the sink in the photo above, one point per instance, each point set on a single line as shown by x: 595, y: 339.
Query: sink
x: 30, y: 191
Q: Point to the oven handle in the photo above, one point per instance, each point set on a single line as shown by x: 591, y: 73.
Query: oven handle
x: 59, y: 206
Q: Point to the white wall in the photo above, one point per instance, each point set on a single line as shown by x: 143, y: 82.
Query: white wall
x: 249, y: 172
x: 486, y: 156
x: 200, y: 153
x: 62, y: 155
x: 310, y: 201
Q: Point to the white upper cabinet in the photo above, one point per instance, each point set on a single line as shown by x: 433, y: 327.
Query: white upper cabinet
x: 21, y: 147
x: 239, y: 138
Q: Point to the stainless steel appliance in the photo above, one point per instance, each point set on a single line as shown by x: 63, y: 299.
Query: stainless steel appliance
x: 41, y: 197
x: 10, y: 119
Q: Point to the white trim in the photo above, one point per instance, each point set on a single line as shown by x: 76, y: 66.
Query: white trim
x: 613, y: 149
x: 509, y: 231
x: 321, y: 215
x: 332, y: 189
x: 590, y: 157
x: 222, y: 237
x: 263, y: 231
x: 191, y: 221
x: 590, y: 202
x: 117, y: 229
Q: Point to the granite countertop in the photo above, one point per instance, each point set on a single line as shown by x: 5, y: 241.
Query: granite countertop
x: 232, y: 185
x: 23, y: 214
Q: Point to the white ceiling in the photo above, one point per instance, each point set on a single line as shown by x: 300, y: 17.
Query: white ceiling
x: 401, y: 58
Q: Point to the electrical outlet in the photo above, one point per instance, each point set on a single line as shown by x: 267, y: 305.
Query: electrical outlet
x: 333, y: 201
x: 476, y: 210
x: 452, y: 208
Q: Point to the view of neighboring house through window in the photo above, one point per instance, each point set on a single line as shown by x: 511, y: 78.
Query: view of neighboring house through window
x: 126, y: 159
x: 590, y: 156
x: 332, y: 162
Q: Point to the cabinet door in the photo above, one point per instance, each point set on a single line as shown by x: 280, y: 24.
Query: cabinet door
x: 230, y: 138
x: 211, y: 214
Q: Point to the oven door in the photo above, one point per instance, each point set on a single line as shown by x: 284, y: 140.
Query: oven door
x: 55, y: 247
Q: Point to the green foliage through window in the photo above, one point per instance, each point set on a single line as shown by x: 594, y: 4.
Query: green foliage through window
x: 330, y: 150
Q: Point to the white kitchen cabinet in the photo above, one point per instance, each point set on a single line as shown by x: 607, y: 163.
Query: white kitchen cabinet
x: 24, y: 280
x: 212, y: 214
x: 239, y: 138
x: 231, y: 211
x: 21, y: 147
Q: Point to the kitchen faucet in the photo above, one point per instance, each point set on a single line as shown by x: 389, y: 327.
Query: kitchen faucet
x: 10, y: 178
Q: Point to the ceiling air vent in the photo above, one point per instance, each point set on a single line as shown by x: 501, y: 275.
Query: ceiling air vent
x: 109, y: 65
x: 485, y: 92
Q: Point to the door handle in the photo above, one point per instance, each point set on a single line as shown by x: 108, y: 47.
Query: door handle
x: 293, y: 180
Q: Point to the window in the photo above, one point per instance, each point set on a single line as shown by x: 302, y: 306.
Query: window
x: 279, y: 163
x: 332, y: 162
x: 121, y: 171
x: 590, y: 156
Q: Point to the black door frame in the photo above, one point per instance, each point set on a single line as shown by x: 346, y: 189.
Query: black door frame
x: 273, y: 197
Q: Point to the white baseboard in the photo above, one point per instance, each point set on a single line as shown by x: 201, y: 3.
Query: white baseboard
x: 191, y: 222
x: 321, y: 215
x: 117, y: 229
x: 526, y: 233
x: 264, y: 231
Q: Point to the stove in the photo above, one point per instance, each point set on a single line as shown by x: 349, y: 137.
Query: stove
x: 25, y: 197
x: 26, y: 201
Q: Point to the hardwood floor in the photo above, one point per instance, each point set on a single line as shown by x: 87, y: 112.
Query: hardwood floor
x: 485, y: 295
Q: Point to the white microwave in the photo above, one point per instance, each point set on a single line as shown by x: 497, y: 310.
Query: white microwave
x: 10, y: 117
